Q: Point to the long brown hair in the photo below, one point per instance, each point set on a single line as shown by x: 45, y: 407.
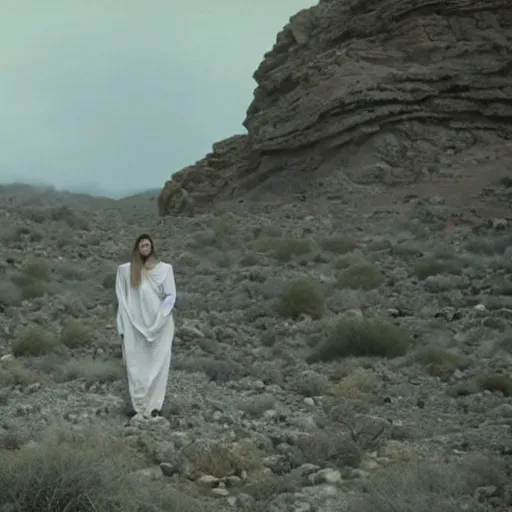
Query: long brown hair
x: 138, y: 261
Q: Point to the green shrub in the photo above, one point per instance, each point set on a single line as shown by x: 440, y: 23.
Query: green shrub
x: 362, y: 338
x: 37, y: 269
x: 361, y: 276
x: 338, y: 244
x: 75, y: 334
x: 33, y: 341
x: 439, y: 361
x: 302, y: 297
x: 427, y: 267
x: 283, y: 249
x: 489, y: 381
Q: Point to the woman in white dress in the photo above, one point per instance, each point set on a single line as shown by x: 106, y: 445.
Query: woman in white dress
x: 146, y: 294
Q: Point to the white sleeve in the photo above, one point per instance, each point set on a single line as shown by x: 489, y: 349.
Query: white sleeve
x: 120, y: 289
x: 169, y: 286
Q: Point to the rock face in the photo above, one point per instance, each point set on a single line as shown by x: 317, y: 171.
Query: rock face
x: 358, y: 92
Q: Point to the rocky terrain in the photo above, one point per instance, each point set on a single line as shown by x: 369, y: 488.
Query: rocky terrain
x: 344, y: 274
x: 327, y: 358
x: 364, y: 95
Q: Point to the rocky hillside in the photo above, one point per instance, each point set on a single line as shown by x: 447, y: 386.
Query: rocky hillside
x: 366, y: 93
x: 327, y: 359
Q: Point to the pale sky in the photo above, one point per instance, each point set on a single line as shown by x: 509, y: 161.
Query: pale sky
x: 120, y: 94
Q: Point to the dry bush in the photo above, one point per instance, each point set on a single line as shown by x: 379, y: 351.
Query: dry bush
x: 311, y: 384
x: 249, y: 259
x: 15, y: 373
x: 350, y: 259
x: 217, y: 370
x: 362, y: 276
x: 10, y: 295
x: 439, y: 361
x: 265, y: 488
x: 426, y: 267
x: 34, y: 341
x: 283, y: 249
x: 302, y: 297
x: 37, y: 269
x: 75, y: 334
x: 69, y: 271
x: 223, y: 459
x: 331, y: 446
x: 362, y: 338
x: 489, y: 246
x: 72, y: 472
x: 357, y: 383
x: 490, y: 381
x: 423, y: 487
x: 90, y: 370
x: 338, y: 244
x: 256, y: 406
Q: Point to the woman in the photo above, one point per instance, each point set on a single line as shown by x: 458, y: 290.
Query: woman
x: 146, y: 293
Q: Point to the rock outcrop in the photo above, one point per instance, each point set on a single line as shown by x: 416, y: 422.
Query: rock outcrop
x: 359, y: 92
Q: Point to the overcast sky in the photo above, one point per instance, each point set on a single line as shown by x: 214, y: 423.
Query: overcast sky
x: 122, y: 93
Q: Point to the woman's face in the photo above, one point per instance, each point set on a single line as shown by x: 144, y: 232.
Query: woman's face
x: 145, y: 247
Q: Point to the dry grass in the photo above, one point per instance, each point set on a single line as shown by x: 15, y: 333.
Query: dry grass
x: 15, y: 373
x: 362, y: 338
x: 422, y: 487
x: 90, y: 370
x: 81, y: 472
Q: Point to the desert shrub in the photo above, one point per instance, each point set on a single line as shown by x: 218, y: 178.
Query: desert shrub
x: 406, y: 250
x: 255, y: 407
x: 249, y: 259
x: 283, y: 249
x: 33, y: 341
x: 338, y: 244
x: 223, y: 459
x: 90, y: 370
x: 37, y: 269
x: 439, y: 361
x: 490, y: 381
x: 109, y: 280
x: 427, y: 267
x: 14, y: 373
x: 362, y: 338
x: 10, y: 294
x: 216, y: 370
x: 302, y: 297
x: 362, y: 276
x: 69, y: 217
x: 422, y: 487
x: 330, y: 446
x: 489, y: 246
x: 75, y: 334
x: 29, y: 287
x: 68, y: 271
x: 71, y: 473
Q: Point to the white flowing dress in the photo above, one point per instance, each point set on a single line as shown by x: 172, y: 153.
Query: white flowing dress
x: 145, y: 320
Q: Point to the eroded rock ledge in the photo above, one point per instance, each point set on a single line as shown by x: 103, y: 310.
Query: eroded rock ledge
x: 365, y: 91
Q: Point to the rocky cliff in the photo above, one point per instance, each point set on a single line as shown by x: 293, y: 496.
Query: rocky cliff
x: 359, y: 92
